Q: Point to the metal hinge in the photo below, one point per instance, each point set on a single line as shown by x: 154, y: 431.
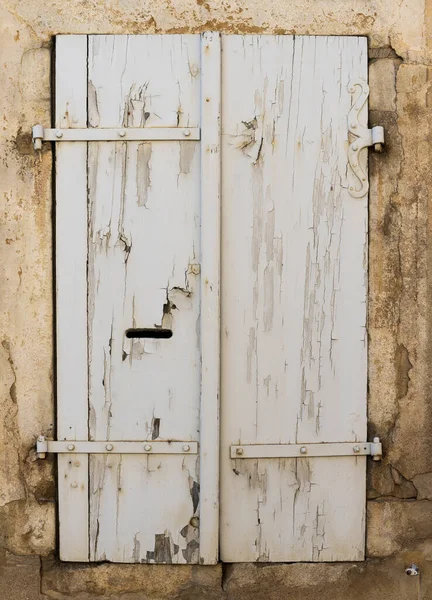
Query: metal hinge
x: 44, y: 446
x: 363, y: 137
x: 131, y: 134
x: 373, y: 449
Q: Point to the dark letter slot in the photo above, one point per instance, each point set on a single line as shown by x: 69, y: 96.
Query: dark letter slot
x: 156, y: 333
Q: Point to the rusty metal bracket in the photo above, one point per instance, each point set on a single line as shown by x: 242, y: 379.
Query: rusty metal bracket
x: 44, y: 446
x: 95, y: 134
x: 373, y: 449
x: 363, y: 137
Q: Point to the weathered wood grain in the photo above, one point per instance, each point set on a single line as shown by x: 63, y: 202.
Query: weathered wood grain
x: 144, y: 271
x: 71, y: 295
x: 210, y: 295
x: 293, y: 283
x: 293, y: 298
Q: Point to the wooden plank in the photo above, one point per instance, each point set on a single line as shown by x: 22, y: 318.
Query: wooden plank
x: 71, y: 290
x: 210, y: 296
x: 144, y: 272
x: 293, y: 300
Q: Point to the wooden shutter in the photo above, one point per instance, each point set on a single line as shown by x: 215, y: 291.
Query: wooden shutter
x: 294, y: 259
x: 138, y: 243
x: 130, y: 255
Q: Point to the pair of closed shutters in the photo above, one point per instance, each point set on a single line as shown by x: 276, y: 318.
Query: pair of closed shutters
x: 217, y: 272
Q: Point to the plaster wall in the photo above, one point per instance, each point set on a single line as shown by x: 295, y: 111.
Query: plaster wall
x: 399, y: 527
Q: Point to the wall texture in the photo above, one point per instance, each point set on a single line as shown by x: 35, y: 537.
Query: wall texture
x: 400, y: 313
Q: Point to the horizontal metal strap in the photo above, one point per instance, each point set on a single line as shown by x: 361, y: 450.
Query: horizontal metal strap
x: 96, y: 134
x: 113, y: 447
x: 373, y: 449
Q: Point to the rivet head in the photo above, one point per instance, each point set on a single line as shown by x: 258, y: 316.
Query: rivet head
x: 109, y: 447
x: 74, y: 484
x: 353, y: 125
x: 77, y: 463
x: 59, y: 134
x: 239, y: 451
x: 186, y: 133
x: 355, y: 147
x: 356, y: 449
x: 194, y: 521
x: 303, y: 450
x: 186, y: 448
x: 351, y: 187
x: 122, y: 133
x: 147, y: 447
x: 71, y: 446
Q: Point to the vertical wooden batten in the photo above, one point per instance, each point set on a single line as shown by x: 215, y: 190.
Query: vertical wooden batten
x: 210, y: 295
x: 71, y: 295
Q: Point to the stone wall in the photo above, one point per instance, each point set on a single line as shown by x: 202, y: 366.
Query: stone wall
x: 399, y: 527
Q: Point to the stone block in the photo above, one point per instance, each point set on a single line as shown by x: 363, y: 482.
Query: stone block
x: 19, y: 577
x: 61, y: 581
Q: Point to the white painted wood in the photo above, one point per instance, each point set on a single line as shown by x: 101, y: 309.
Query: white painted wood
x: 144, y: 271
x: 121, y: 134
x: 210, y: 296
x: 71, y: 301
x: 293, y: 299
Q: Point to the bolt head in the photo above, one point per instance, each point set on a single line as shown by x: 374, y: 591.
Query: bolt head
x: 194, y: 522
x: 356, y: 449
x: 239, y: 451
x: 147, y: 447
x: 303, y: 450
x: 122, y: 133
x: 74, y: 484
x: 109, y: 447
x: 186, y: 448
x: 353, y: 125
x: 71, y: 447
x: 59, y: 134
x: 186, y: 133
x: 355, y: 147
